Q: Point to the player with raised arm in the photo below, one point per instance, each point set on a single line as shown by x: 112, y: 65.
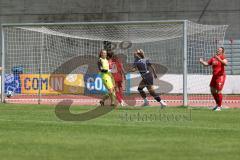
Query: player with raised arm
x: 103, y: 66
x: 118, y: 74
x: 218, y: 63
x: 142, y: 65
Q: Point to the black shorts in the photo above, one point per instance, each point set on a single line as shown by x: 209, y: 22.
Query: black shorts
x: 147, y: 78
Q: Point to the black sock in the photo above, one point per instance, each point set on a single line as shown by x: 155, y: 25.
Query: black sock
x: 157, y: 98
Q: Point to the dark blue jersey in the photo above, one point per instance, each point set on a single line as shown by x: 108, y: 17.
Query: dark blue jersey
x: 142, y: 65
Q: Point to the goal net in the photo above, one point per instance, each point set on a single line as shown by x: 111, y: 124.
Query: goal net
x: 45, y: 63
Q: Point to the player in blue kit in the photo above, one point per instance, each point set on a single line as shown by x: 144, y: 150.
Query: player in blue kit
x: 142, y: 65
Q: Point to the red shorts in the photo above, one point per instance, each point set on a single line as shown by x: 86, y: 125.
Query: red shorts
x: 117, y: 77
x: 118, y: 84
x: 217, y: 82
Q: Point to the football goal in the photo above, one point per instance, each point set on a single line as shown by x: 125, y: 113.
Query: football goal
x: 49, y: 62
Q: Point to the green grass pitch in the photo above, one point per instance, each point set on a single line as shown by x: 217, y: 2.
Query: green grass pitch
x: 33, y: 132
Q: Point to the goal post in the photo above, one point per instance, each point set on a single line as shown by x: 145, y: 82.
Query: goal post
x: 46, y: 62
x: 185, y: 69
x: 3, y: 66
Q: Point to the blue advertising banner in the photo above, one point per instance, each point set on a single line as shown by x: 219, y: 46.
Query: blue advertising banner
x: 12, y: 83
x: 94, y: 84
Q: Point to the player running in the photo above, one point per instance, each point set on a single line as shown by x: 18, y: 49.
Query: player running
x: 117, y: 71
x: 106, y: 76
x: 142, y: 65
x: 218, y: 63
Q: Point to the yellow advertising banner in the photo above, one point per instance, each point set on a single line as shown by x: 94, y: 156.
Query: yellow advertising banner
x: 52, y: 84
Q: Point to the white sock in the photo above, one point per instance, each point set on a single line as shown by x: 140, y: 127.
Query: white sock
x: 163, y: 103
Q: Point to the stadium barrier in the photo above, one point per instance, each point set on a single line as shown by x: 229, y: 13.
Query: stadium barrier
x: 92, y: 84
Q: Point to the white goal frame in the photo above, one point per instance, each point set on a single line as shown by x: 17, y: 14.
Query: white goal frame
x: 184, y: 44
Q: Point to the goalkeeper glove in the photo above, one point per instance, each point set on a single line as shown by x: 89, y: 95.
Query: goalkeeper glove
x: 104, y: 70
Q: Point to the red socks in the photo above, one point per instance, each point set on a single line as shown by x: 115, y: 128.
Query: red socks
x: 119, y: 96
x: 218, y: 98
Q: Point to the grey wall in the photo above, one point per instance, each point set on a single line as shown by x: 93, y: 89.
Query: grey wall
x: 202, y: 11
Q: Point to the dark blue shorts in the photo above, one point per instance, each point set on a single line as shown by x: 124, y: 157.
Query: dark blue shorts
x: 147, y: 78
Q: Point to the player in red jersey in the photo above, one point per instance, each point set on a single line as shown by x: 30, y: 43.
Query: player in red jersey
x: 118, y: 73
x: 218, y: 63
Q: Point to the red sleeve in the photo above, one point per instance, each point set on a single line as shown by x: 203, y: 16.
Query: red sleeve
x: 210, y: 61
x: 110, y: 63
